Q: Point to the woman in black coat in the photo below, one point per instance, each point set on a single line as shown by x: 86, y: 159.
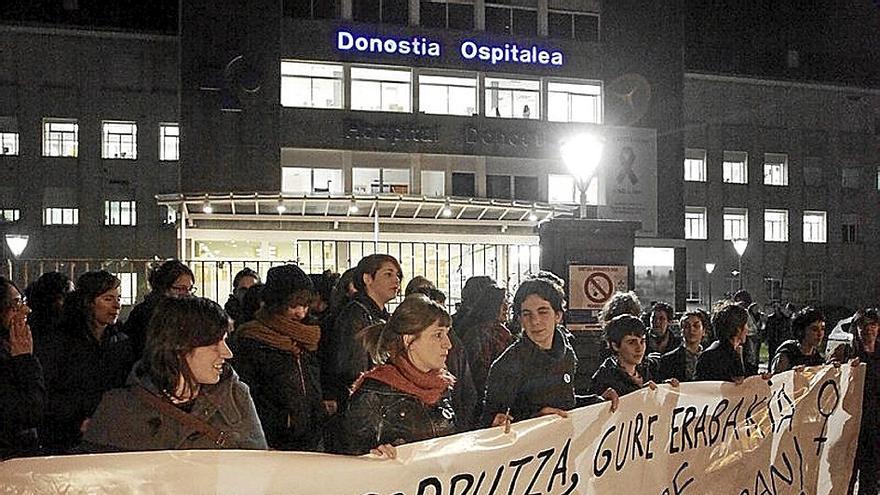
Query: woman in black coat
x: 625, y: 370
x: 723, y: 359
x: 406, y: 398
x: 22, y: 392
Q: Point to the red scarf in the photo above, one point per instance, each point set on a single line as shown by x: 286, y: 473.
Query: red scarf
x: 402, y: 375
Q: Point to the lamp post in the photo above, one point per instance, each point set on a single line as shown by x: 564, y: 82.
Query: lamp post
x: 16, y: 244
x: 740, y: 246
x: 581, y: 154
x: 710, y: 267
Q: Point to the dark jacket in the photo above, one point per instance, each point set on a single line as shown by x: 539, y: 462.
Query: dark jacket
x: 125, y: 421
x: 351, y: 358
x: 378, y: 413
x: 526, y: 378
x: 791, y: 349
x: 719, y: 362
x: 22, y: 401
x: 673, y: 364
x: 286, y: 390
x: 653, y: 344
x: 483, y: 344
x: 138, y: 319
x: 610, y: 375
x: 78, y: 370
x: 465, y: 396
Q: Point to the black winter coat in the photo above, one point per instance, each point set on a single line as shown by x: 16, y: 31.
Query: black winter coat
x: 351, y: 358
x: 378, y: 414
x: 22, y: 401
x: 526, y: 378
x: 610, y: 375
x: 791, y: 349
x: 720, y: 362
x: 673, y: 364
x: 78, y: 370
x: 286, y: 390
x: 136, y: 324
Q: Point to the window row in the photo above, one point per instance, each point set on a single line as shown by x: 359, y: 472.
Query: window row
x: 393, y: 89
x: 115, y: 213
x: 735, y: 223
x: 735, y: 170
x: 500, y: 16
x: 118, y: 140
x: 561, y: 188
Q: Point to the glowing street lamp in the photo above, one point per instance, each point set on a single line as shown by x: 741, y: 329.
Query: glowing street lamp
x: 710, y: 267
x: 16, y: 244
x: 740, y: 246
x: 582, y: 154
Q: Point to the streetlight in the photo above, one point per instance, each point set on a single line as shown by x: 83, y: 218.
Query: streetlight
x: 581, y: 154
x: 16, y: 244
x: 710, y: 267
x: 740, y: 246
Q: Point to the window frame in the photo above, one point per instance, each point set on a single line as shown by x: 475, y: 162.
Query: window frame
x: 572, y: 33
x: 728, y: 173
x: 381, y: 83
x: 449, y: 75
x: 822, y: 234
x: 692, y: 155
x: 850, y: 177
x: 769, y: 230
x: 68, y: 215
x: 699, y: 216
x: 776, y: 171
x: 124, y: 150
x: 728, y: 218
x: 533, y: 114
x: 115, y: 215
x: 597, y: 99
x: 10, y: 215
x: 67, y: 141
x: 165, y: 142
x: 341, y: 80
x: 9, y: 144
x: 312, y: 189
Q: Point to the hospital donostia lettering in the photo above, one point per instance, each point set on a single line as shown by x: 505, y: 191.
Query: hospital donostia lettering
x: 420, y: 46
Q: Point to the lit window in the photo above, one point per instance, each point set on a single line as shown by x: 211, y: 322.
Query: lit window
x: 169, y: 142
x: 513, y: 98
x: 878, y: 178
x: 375, y: 180
x: 776, y: 225
x: 815, y: 227
x: 311, y: 85
x: 120, y: 213
x: 9, y: 215
x: 694, y: 222
x: 8, y: 143
x: 735, y: 167
x: 120, y: 140
x: 850, y: 178
x: 695, y: 165
x: 60, y: 137
x: 60, y: 216
x: 300, y: 180
x: 448, y: 95
x: 127, y: 287
x: 170, y: 216
x: 736, y: 223
x: 849, y: 229
x: 562, y: 189
x: 775, y: 169
x: 574, y: 102
x: 385, y: 90
x: 433, y: 183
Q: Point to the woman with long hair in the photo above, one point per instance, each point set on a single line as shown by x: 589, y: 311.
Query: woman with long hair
x: 406, y: 397
x: 22, y: 392
x: 182, y: 394
x: 88, y: 355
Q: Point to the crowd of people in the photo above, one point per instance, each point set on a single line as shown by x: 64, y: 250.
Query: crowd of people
x: 303, y: 362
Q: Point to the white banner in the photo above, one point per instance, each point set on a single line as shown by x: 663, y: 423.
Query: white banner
x: 795, y: 435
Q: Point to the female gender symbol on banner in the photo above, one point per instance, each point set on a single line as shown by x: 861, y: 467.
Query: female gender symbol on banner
x: 598, y: 287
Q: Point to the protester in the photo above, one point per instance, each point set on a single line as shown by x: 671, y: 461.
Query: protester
x: 620, y: 303
x: 323, y: 284
x: 808, y: 328
x: 751, y: 349
x: 405, y: 398
x: 22, y: 389
x: 88, y: 355
x: 866, y: 323
x: 777, y: 328
x: 470, y: 294
x: 417, y: 283
x: 661, y: 337
x: 535, y: 375
x: 250, y: 304
x: 243, y: 280
x: 276, y: 355
x: 170, y: 279
x: 625, y: 371
x: 377, y: 279
x: 45, y: 298
x: 182, y: 394
x: 722, y: 360
x: 681, y: 363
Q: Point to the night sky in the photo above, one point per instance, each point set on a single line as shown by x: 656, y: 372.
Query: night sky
x: 836, y: 40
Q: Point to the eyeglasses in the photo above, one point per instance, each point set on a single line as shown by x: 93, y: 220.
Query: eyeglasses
x: 184, y: 289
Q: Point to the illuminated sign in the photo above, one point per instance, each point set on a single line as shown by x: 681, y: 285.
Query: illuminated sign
x: 420, y: 46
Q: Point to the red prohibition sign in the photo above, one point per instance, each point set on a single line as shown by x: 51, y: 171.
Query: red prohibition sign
x: 598, y: 287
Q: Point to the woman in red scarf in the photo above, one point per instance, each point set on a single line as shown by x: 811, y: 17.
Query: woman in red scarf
x: 406, y: 397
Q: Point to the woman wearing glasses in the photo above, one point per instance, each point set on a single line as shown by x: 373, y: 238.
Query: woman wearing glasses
x: 88, y: 355
x: 170, y: 279
x: 22, y: 392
